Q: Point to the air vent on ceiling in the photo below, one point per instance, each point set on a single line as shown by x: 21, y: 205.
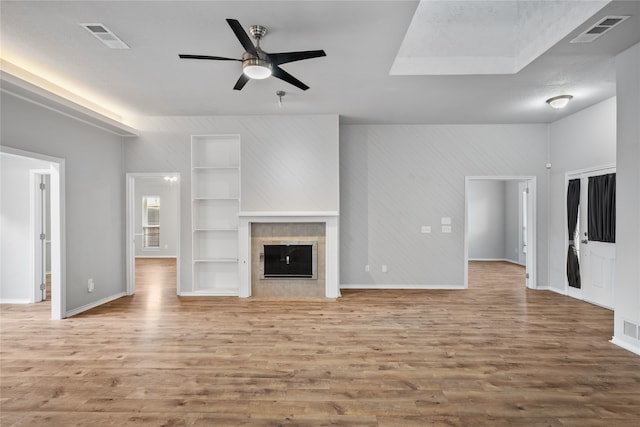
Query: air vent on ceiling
x: 604, y: 25
x: 107, y: 37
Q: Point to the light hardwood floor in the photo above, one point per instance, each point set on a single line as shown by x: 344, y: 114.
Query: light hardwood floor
x: 496, y: 354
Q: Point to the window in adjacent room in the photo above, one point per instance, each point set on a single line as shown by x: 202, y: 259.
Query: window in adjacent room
x: 151, y: 222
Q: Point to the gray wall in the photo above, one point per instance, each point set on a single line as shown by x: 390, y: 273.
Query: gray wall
x: 627, y: 291
x: 585, y: 139
x: 486, y: 204
x: 16, y: 262
x: 288, y: 163
x: 168, y: 193
x: 94, y: 193
x: 396, y: 178
x: 494, y: 220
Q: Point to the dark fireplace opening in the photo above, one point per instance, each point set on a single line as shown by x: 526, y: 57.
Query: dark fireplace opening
x: 296, y: 260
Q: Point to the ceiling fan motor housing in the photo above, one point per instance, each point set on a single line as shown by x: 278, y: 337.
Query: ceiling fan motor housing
x: 258, y: 64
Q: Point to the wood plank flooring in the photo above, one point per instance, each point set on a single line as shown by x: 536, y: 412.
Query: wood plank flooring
x: 496, y: 354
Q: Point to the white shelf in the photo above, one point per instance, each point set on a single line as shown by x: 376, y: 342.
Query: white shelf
x: 215, y: 204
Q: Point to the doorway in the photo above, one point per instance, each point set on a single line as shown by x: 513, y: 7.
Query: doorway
x: 508, y: 224
x: 596, y: 255
x: 152, y: 224
x: 29, y: 180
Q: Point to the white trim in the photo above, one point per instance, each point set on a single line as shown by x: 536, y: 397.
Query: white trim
x: 498, y: 259
x: 594, y: 171
x: 158, y: 256
x: 130, y: 249
x: 552, y: 289
x: 15, y: 301
x: 287, y: 213
x: 94, y: 304
x: 532, y: 282
x: 400, y: 286
x: 211, y: 293
x: 626, y: 345
x: 58, y: 227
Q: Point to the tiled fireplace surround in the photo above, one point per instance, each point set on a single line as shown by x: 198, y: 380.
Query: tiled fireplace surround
x: 257, y: 227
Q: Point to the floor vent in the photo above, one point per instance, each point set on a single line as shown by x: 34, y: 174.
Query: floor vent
x: 602, y: 27
x: 106, y: 36
x: 630, y: 329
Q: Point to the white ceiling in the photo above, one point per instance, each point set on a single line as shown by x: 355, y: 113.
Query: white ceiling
x: 362, y: 40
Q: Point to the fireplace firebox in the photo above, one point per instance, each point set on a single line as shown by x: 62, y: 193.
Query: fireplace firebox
x: 289, y: 259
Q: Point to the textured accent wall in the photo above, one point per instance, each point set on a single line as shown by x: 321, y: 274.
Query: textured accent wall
x: 288, y: 163
x: 396, y: 178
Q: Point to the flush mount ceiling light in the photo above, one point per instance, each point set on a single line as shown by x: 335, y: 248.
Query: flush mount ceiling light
x: 255, y: 68
x: 559, y: 101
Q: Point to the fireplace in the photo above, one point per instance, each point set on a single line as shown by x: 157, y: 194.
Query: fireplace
x: 289, y: 260
x: 315, y: 230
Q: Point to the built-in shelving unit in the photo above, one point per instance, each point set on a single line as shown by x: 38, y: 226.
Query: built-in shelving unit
x: 215, y: 204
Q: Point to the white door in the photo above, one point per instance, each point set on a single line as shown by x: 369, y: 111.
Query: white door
x: 597, y: 259
x: 40, y: 235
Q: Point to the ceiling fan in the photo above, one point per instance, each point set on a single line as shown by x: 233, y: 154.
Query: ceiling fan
x: 258, y: 64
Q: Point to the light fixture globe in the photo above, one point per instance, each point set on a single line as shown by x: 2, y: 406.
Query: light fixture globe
x: 256, y: 68
x: 559, y: 101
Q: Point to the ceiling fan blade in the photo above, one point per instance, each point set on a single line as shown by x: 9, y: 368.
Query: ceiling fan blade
x: 241, y: 82
x: 216, y: 58
x: 283, y: 58
x: 283, y: 75
x: 242, y: 36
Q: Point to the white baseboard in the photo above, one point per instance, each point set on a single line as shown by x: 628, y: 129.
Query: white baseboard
x: 626, y: 345
x: 155, y: 256
x: 94, y: 304
x: 498, y: 259
x: 211, y: 293
x: 15, y: 301
x: 399, y: 286
x: 552, y: 289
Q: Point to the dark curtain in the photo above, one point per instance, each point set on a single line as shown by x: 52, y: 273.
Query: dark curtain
x: 573, y: 205
x: 602, y: 208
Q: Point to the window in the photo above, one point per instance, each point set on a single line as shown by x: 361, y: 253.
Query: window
x: 151, y: 222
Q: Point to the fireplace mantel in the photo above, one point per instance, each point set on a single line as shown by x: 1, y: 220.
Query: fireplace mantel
x: 329, y: 218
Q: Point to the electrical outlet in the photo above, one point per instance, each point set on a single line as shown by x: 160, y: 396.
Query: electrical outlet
x: 90, y: 285
x: 384, y: 268
x: 366, y: 268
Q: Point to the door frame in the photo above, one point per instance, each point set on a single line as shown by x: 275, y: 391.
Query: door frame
x: 580, y: 173
x: 531, y: 263
x: 58, y: 227
x: 130, y: 243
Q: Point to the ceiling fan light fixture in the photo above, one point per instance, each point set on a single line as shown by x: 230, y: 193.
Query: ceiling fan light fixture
x: 559, y: 101
x: 256, y: 68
